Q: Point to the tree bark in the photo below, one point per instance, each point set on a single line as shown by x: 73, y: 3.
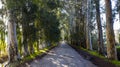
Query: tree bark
x: 31, y: 44
x: 31, y: 48
x: 100, y: 34
x: 88, y: 32
x: 119, y: 8
x: 25, y: 44
x: 111, y: 50
x: 12, y: 38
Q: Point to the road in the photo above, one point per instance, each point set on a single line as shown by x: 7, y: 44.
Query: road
x: 62, y: 56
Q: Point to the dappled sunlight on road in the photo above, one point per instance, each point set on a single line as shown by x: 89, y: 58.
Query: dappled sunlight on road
x: 61, y: 56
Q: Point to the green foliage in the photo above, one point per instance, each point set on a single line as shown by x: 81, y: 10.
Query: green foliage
x: 50, y: 23
x: 38, y: 53
x: 117, y: 63
x: 94, y: 41
x: 95, y: 53
x: 119, y: 38
x: 118, y: 6
x: 2, y: 40
x: 53, y: 4
x: 48, y: 20
x: 118, y: 52
x: 35, y: 19
x: 118, y: 48
x: 10, y: 4
x: 2, y: 26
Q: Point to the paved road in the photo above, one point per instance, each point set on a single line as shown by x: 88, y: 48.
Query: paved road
x: 62, y: 56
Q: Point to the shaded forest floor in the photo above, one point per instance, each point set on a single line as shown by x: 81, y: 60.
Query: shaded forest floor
x: 100, y: 62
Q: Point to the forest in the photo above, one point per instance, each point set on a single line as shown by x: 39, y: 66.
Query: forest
x: 29, y: 28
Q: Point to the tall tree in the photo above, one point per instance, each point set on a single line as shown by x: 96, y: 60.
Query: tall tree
x: 13, y: 52
x: 111, y: 50
x: 88, y: 30
x: 25, y: 27
x: 118, y: 8
x: 100, y: 34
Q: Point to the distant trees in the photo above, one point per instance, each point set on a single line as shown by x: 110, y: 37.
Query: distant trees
x: 82, y: 25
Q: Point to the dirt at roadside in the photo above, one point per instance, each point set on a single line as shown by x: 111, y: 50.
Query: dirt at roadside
x: 3, y: 59
x: 95, y: 60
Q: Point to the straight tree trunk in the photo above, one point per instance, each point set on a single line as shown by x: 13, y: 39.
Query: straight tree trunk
x: 100, y: 34
x: 25, y: 44
x: 111, y: 50
x: 88, y: 34
x: 12, y: 38
x: 37, y: 45
x: 31, y: 48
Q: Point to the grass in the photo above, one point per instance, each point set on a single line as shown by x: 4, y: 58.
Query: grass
x: 3, y: 55
x: 118, y: 48
x: 117, y: 63
x: 3, y: 52
x: 31, y: 57
x: 95, y: 53
x: 34, y: 55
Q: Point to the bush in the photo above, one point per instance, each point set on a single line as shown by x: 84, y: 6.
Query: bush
x: 118, y: 52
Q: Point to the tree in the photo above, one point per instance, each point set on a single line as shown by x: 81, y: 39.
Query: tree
x: 12, y: 39
x: 111, y: 50
x: 88, y: 30
x: 49, y: 23
x: 2, y: 36
x: 26, y: 16
x: 28, y: 24
x: 100, y: 35
x: 118, y: 8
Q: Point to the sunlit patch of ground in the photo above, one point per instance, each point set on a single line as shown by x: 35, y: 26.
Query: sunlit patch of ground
x: 61, y: 56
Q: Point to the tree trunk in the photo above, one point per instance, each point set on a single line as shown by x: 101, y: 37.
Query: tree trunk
x: 25, y: 44
x: 119, y: 8
x: 37, y: 45
x: 31, y: 48
x: 111, y: 50
x: 88, y: 34
x: 100, y: 34
x: 12, y: 38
